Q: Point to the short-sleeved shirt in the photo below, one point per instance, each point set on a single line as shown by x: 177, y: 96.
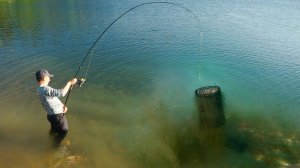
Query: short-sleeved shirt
x: 49, y: 99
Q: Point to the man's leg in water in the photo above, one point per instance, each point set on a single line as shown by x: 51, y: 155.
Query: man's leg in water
x: 59, y: 128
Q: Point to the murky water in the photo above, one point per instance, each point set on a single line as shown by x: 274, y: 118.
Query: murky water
x: 137, y: 108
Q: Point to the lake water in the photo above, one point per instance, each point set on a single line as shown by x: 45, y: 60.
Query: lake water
x: 137, y: 107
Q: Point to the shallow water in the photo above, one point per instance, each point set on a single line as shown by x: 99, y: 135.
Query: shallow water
x: 137, y: 107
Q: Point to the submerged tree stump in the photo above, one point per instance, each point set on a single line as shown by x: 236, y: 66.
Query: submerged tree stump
x: 210, y: 106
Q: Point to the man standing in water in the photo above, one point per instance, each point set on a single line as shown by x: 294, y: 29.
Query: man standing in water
x: 54, y: 107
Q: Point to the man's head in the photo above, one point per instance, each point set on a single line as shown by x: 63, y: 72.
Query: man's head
x: 43, y: 75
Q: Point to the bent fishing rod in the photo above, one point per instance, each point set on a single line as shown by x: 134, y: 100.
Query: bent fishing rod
x: 90, y: 51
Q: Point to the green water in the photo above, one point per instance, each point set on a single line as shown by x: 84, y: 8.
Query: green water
x: 137, y: 108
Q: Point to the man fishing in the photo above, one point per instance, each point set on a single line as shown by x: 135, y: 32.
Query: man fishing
x: 54, y: 107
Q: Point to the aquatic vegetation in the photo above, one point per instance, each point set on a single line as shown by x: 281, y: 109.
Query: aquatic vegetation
x: 273, y: 146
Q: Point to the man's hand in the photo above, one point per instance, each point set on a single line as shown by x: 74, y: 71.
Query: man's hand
x: 73, y: 81
x: 65, y: 109
x: 68, y: 85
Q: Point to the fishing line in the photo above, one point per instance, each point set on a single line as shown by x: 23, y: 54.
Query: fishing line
x: 90, y: 51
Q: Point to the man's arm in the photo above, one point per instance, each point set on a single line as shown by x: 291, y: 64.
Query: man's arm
x: 68, y: 85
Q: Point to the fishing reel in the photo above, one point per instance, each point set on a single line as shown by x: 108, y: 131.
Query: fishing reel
x: 80, y: 81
